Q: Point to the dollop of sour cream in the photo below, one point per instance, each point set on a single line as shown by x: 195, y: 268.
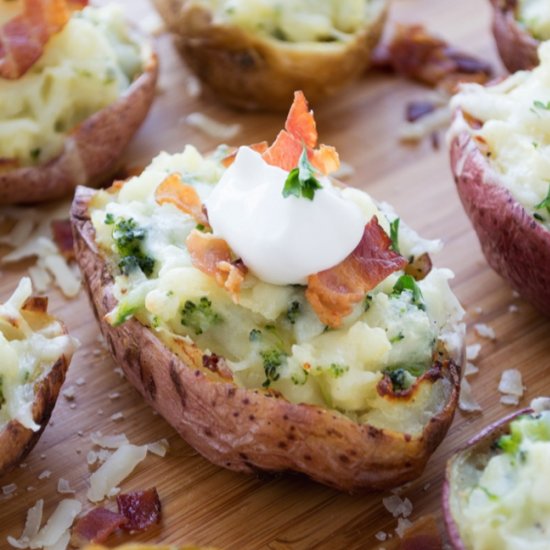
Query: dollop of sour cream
x: 281, y: 240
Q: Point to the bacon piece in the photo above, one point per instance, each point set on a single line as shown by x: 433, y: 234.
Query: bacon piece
x: 415, y: 53
x: 22, y: 39
x: 212, y: 256
x: 141, y: 509
x: 420, y: 267
x: 184, y: 197
x: 333, y: 292
x: 96, y: 526
x: 63, y: 237
x: 260, y: 147
x: 300, y: 131
x: 300, y: 122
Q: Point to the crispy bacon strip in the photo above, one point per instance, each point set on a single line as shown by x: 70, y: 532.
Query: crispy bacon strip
x: 415, y: 53
x: 300, y: 131
x: 333, y: 292
x: 23, y: 38
x: 141, y: 509
x: 184, y: 197
x: 63, y: 238
x: 96, y: 526
x: 212, y: 256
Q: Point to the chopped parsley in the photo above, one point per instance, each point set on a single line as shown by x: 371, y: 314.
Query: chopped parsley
x: 301, y: 181
x: 394, y: 235
x: 272, y: 359
x: 129, y: 237
x: 109, y: 219
x: 199, y: 317
x: 407, y: 283
x: 293, y: 311
x: 397, y: 338
x: 255, y: 335
x: 367, y: 302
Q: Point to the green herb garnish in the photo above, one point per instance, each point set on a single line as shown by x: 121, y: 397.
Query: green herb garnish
x: 545, y: 203
x: 255, y: 335
x: 301, y: 181
x: 336, y: 370
x: 293, y: 311
x: 407, y: 283
x: 394, y: 235
x: 35, y: 153
x: 541, y: 105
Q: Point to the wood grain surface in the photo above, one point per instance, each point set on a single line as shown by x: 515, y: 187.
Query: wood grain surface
x: 206, y: 505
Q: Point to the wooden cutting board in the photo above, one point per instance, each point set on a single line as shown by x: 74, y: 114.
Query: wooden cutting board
x: 204, y: 504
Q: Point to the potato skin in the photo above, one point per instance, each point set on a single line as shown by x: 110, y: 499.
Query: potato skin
x: 16, y: 441
x: 251, y: 72
x: 251, y: 430
x: 91, y: 152
x: 478, y: 450
x: 516, y: 46
x: 514, y: 244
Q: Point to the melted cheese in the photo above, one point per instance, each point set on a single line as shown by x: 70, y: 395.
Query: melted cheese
x: 273, y: 325
x: 516, y: 128
x: 84, y: 68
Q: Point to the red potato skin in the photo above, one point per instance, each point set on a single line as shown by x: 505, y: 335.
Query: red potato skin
x: 516, y: 47
x: 479, y: 445
x: 16, y: 441
x: 515, y: 245
x: 91, y: 152
x: 251, y: 430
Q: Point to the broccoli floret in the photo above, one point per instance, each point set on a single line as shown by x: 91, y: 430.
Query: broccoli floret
x: 293, y: 311
x: 199, y: 317
x: 272, y: 359
x: 401, y: 379
x: 129, y: 237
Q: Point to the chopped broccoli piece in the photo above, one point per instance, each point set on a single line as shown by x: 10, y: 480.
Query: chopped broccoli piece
x: 128, y: 237
x: 199, y: 317
x: 336, y: 370
x: 255, y: 335
x: 293, y: 311
x: 272, y: 359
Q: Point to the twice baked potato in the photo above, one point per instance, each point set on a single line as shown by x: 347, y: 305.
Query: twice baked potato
x: 496, y: 489
x: 67, y: 119
x: 253, y: 55
x: 499, y: 158
x: 35, y: 352
x: 267, y: 313
x: 518, y: 27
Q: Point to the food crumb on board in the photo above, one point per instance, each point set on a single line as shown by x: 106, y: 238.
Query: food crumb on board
x: 485, y: 331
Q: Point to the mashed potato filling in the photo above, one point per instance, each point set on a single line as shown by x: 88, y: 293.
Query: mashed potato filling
x: 535, y: 15
x: 515, y: 132
x: 297, y: 20
x: 270, y: 336
x: 26, y: 352
x: 84, y: 68
x: 509, y: 508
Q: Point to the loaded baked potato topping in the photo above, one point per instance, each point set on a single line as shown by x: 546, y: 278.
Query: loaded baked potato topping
x: 31, y: 342
x: 535, y: 15
x: 510, y: 123
x: 84, y: 66
x: 506, y: 504
x: 301, y: 286
x: 296, y: 21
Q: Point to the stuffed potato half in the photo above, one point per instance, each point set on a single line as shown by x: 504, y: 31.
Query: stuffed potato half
x: 499, y: 159
x: 253, y: 55
x: 36, y: 352
x: 494, y: 494
x: 67, y: 118
x: 518, y: 27
x: 352, y: 385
